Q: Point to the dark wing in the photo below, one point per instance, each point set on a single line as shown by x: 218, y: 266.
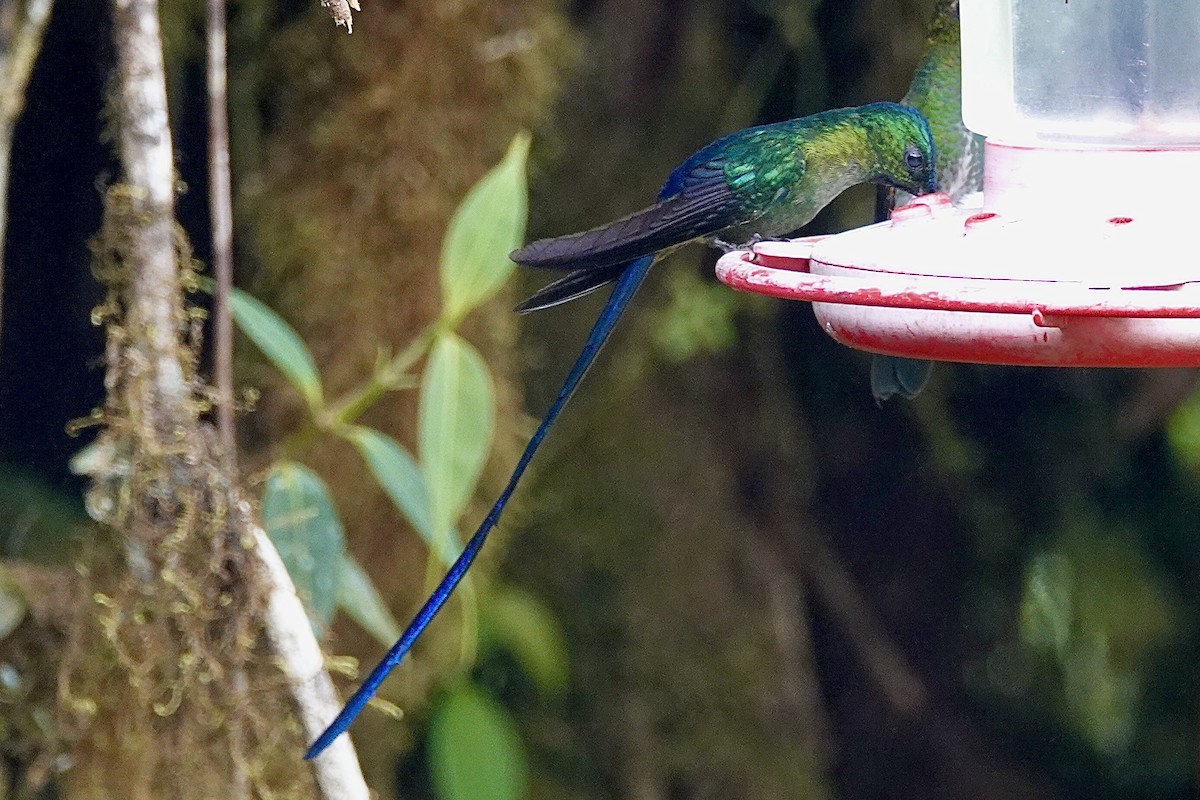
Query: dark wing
x: 575, y: 284
x: 704, y: 206
x: 895, y: 375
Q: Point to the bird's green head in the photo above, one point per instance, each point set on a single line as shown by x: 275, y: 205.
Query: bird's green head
x: 902, y: 147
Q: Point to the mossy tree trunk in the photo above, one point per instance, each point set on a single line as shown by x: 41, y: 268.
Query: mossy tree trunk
x: 168, y: 686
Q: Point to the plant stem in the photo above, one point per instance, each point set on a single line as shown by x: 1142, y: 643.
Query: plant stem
x: 336, y: 770
x: 352, y: 405
x: 220, y: 203
x: 144, y: 144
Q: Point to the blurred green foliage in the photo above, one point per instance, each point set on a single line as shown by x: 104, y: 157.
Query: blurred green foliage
x: 279, y: 343
x: 42, y: 523
x: 455, y: 422
x: 474, y: 747
x: 1100, y: 611
x: 518, y: 623
x: 697, y: 319
x: 299, y: 516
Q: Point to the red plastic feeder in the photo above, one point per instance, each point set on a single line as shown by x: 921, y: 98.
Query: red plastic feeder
x: 940, y: 283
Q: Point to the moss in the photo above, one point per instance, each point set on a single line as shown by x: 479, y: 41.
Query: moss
x: 165, y: 640
x: 373, y: 140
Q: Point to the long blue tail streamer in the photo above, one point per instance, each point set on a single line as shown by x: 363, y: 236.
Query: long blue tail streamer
x: 624, y: 290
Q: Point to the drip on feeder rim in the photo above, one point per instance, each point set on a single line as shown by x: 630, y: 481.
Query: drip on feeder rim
x: 1076, y: 254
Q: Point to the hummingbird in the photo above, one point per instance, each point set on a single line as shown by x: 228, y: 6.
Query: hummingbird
x: 765, y: 181
x: 936, y: 91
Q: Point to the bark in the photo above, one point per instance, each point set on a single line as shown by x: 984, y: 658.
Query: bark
x: 22, y: 23
x: 220, y: 204
x: 187, y: 591
x: 155, y: 301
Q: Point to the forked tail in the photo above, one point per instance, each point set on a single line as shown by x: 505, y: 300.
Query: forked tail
x: 625, y: 288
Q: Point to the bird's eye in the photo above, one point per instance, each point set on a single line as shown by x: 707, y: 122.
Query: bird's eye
x: 914, y: 158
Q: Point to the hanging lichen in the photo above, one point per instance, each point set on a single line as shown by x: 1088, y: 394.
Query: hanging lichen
x: 165, y: 645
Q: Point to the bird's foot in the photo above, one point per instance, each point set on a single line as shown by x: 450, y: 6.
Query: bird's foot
x: 729, y: 247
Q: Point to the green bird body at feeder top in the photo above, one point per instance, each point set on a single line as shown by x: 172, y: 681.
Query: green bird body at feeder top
x: 936, y: 91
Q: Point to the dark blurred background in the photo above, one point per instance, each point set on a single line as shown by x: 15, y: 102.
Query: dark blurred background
x: 771, y: 587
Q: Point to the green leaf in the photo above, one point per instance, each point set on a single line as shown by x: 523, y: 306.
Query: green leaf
x: 455, y: 424
x: 486, y: 227
x: 1183, y: 431
x: 1047, y: 611
x: 279, y: 343
x: 398, y: 474
x: 475, y: 752
x: 300, y: 518
x: 519, y: 623
x: 1102, y: 696
x: 698, y: 320
x: 46, y: 524
x: 357, y: 596
x: 12, y: 611
x: 12, y: 605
